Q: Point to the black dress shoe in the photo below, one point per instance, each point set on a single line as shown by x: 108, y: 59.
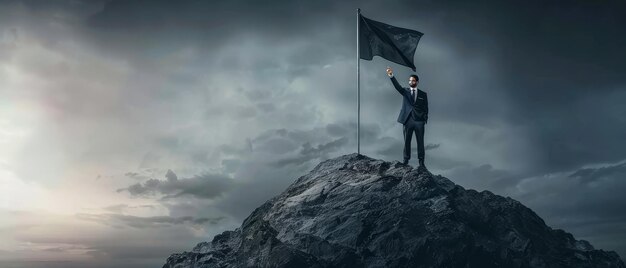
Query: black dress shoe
x: 421, y: 162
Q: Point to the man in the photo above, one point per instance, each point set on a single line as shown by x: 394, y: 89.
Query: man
x: 413, y: 115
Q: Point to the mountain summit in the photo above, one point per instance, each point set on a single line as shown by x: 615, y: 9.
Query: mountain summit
x: 355, y: 211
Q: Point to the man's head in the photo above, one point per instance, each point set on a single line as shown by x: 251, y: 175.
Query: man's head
x: 413, y: 80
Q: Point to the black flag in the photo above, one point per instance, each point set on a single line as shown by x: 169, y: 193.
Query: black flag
x: 389, y: 42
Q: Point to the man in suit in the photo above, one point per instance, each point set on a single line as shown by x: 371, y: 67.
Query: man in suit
x: 413, y: 115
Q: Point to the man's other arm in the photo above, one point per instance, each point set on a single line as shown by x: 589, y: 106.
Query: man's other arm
x: 426, y: 107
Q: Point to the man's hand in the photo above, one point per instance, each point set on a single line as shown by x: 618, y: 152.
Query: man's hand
x: 389, y: 71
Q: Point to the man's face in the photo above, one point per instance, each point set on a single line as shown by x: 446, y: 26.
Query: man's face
x: 412, y: 82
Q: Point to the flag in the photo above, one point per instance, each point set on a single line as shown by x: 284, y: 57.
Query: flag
x: 389, y: 42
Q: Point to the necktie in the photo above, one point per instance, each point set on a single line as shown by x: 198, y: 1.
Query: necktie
x: 413, y: 94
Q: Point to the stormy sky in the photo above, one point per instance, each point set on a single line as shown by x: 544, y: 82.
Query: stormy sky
x: 130, y: 130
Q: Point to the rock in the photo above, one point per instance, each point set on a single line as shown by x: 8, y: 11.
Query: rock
x: 355, y: 211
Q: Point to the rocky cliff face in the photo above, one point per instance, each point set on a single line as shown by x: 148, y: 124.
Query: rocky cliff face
x: 355, y: 211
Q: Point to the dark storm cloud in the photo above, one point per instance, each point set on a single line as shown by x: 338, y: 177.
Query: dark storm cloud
x: 206, y: 186
x: 121, y: 220
x: 202, y: 24
x: 566, y: 46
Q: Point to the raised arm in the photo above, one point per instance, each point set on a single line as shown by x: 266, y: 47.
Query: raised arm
x: 395, y: 83
x: 397, y: 86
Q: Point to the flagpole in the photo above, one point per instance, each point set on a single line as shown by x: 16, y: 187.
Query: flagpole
x: 358, y: 85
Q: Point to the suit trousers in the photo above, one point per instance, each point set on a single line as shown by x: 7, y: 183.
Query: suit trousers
x: 411, y: 125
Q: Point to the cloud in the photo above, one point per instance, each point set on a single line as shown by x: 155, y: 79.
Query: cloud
x: 119, y: 208
x: 121, y: 220
x: 136, y: 176
x: 296, y: 147
x: 308, y: 152
x: 591, y: 176
x: 207, y: 186
x: 431, y: 146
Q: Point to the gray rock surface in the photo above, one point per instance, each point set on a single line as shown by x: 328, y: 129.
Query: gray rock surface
x: 355, y: 211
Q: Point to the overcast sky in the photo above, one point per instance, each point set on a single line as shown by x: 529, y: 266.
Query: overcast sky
x: 130, y: 130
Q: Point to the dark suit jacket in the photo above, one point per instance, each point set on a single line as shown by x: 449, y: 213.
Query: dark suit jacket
x: 419, y: 107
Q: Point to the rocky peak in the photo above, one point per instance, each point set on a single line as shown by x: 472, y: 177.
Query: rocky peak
x: 355, y: 211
